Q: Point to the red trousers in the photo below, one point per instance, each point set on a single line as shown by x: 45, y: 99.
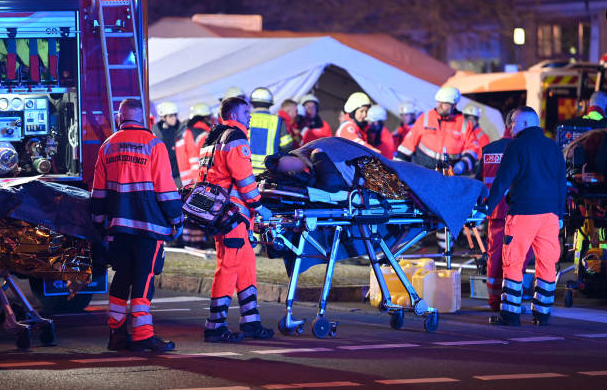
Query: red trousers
x: 236, y: 265
x: 541, y: 233
x: 495, y: 241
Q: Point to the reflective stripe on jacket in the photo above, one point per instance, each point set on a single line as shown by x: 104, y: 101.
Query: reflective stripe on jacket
x: 350, y: 130
x: 133, y: 189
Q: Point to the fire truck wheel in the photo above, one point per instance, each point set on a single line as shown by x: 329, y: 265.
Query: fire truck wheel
x: 59, y: 303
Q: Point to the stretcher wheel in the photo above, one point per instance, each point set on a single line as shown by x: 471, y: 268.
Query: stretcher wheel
x: 47, y: 335
x: 321, y: 327
x: 397, y: 319
x: 24, y: 339
x: 568, y: 298
x: 431, y: 322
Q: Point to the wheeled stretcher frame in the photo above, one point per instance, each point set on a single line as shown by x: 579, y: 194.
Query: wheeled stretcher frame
x: 341, y: 220
x: 24, y: 318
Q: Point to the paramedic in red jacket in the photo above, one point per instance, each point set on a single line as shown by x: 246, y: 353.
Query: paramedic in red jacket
x: 354, y: 126
x: 135, y: 202
x: 228, y: 146
x: 310, y: 124
x: 377, y: 134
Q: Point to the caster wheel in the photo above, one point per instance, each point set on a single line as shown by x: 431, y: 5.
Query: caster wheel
x: 431, y: 322
x: 24, y: 339
x: 282, y: 327
x: 569, y: 298
x: 321, y: 327
x: 333, y: 331
x: 47, y: 335
x: 299, y: 329
x: 397, y: 319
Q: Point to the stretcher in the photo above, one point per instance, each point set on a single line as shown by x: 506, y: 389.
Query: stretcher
x: 311, y: 226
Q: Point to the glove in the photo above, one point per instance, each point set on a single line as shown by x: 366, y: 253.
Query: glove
x: 264, y: 213
x: 560, y: 224
x: 459, y: 168
x: 176, y: 231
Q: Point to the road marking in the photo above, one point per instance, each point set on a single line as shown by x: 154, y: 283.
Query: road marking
x: 415, y: 380
x: 218, y: 388
x: 474, y: 342
x: 291, y: 350
x: 195, y: 355
x: 576, y: 313
x: 162, y: 300
x: 25, y: 364
x: 591, y: 335
x: 533, y: 339
x: 376, y: 346
x: 158, y: 310
x: 112, y: 359
x: 313, y: 384
x: 519, y: 376
x: 593, y: 373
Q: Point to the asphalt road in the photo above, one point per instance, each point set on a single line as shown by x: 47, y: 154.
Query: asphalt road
x: 464, y: 353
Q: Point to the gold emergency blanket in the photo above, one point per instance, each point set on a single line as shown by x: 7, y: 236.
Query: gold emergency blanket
x: 380, y: 179
x: 37, y: 251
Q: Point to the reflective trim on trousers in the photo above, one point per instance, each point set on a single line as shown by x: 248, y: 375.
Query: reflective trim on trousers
x: 214, y: 325
x: 221, y: 301
x: 539, y: 308
x: 142, y: 320
x: 548, y: 286
x: 248, y: 306
x: 251, y: 290
x: 510, y: 308
x: 512, y: 298
x: 511, y: 284
x: 249, y: 318
x: 218, y: 315
x: 140, y: 308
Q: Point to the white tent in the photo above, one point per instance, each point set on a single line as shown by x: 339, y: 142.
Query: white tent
x: 191, y: 70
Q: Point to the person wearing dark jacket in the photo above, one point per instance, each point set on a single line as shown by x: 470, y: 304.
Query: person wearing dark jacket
x: 532, y: 169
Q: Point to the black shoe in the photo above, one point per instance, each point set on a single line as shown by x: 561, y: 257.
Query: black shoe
x: 222, y: 335
x: 505, y: 321
x: 540, y: 319
x: 119, y: 340
x: 256, y: 331
x: 154, y: 344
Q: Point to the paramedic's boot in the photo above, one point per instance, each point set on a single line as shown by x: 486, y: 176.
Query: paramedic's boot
x: 119, y: 339
x: 216, y: 328
x: 250, y: 324
x: 543, y: 298
x: 154, y: 344
x: 510, y: 308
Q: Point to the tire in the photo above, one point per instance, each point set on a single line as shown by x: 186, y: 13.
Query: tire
x: 321, y: 328
x: 282, y: 327
x: 431, y: 322
x: 397, y: 319
x: 568, y: 298
x: 59, y: 303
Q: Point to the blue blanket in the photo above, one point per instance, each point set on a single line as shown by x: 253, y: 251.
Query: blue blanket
x: 449, y: 198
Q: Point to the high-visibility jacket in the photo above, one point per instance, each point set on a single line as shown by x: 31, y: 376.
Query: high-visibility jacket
x: 268, y: 135
x: 227, y: 144
x: 314, y: 128
x: 400, y: 134
x: 133, y: 191
x: 291, y: 127
x: 481, y: 137
x: 186, y: 152
x: 431, y: 134
x: 350, y: 130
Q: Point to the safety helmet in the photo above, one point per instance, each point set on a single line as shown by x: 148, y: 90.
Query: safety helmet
x: 262, y: 95
x: 448, y: 95
x: 356, y: 101
x: 472, y: 111
x: 167, y: 108
x: 308, y: 98
x: 407, y: 108
x: 199, y: 109
x: 376, y: 113
x: 233, y: 92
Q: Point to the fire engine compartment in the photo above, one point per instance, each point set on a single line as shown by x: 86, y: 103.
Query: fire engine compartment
x: 40, y: 130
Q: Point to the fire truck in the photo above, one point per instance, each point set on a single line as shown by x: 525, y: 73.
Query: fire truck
x: 556, y: 90
x: 65, y: 65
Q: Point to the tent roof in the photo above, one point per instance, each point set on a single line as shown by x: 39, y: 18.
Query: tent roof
x: 192, y: 70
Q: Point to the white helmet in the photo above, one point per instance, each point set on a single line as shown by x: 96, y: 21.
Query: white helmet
x: 407, y: 108
x: 167, y: 108
x: 472, y: 111
x: 262, y: 95
x: 448, y: 95
x: 308, y: 98
x: 199, y: 109
x: 376, y: 113
x: 233, y: 92
x: 356, y: 101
